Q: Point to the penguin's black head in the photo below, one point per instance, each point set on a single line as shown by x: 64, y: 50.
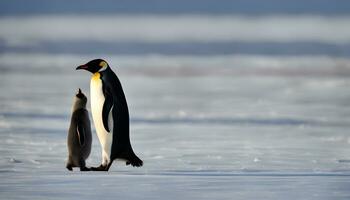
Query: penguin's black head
x: 80, y: 100
x: 80, y: 94
x: 97, y: 65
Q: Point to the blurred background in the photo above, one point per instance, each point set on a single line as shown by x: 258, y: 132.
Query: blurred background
x: 226, y: 97
x: 218, y: 85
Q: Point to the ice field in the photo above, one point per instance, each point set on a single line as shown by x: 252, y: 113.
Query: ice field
x: 201, y: 134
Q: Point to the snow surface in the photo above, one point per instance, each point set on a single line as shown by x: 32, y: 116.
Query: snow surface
x: 201, y: 136
x: 206, y: 126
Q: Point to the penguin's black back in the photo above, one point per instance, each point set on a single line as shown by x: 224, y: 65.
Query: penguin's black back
x: 121, y: 146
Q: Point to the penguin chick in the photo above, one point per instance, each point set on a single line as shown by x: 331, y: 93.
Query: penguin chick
x: 79, y: 134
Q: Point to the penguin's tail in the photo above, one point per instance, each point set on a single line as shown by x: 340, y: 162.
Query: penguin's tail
x: 134, y: 161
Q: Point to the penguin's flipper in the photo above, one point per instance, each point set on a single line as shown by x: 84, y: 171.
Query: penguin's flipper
x: 81, y: 135
x: 107, y: 106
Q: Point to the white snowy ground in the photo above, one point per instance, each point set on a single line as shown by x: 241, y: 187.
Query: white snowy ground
x: 206, y: 128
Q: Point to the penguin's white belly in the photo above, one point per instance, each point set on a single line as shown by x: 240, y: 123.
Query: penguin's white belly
x: 97, y: 101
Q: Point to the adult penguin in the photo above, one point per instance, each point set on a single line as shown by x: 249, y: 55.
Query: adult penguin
x: 110, y: 115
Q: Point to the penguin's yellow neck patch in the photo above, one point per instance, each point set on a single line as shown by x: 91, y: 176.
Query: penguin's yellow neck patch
x: 103, y: 64
x: 96, y: 76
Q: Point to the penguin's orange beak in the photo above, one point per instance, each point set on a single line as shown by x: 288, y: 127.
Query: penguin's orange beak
x: 82, y: 67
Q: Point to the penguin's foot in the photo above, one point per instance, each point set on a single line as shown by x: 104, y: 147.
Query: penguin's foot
x: 100, y: 168
x: 85, y: 168
x: 69, y: 167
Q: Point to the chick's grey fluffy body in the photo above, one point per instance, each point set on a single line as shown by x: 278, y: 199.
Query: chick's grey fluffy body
x: 79, y: 134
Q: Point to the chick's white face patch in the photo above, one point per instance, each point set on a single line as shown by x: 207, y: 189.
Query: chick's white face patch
x: 103, y: 66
